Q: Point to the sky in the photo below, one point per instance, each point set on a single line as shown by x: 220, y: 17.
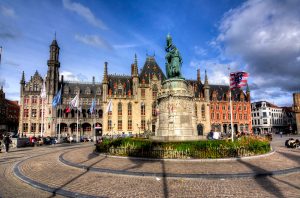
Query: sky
x: 261, y: 37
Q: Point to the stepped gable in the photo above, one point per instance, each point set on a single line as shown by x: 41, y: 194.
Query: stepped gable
x: 86, y: 88
x: 197, y: 87
x: 116, y: 82
x: 150, y: 69
x: 223, y: 89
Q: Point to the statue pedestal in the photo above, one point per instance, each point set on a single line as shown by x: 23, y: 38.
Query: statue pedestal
x: 177, y: 121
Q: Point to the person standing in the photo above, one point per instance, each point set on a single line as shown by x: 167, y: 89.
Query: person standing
x: 7, y: 141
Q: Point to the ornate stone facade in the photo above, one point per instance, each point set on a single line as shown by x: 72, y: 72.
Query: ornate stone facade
x: 133, y: 98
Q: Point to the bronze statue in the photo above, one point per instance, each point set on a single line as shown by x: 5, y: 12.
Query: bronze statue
x: 173, y: 60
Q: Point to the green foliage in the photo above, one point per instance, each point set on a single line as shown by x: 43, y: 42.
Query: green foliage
x: 245, y: 146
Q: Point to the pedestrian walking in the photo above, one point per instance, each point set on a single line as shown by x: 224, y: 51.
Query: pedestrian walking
x: 7, y: 141
x: 281, y: 134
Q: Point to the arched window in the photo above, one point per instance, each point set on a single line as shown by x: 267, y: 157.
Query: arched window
x: 196, y: 110
x: 129, y: 109
x: 143, y: 109
x: 100, y: 113
x: 203, y: 111
x: 119, y: 108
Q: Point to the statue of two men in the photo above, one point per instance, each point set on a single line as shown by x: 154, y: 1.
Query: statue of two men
x: 173, y: 60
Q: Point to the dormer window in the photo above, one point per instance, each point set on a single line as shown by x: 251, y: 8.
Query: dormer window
x: 76, y: 90
x: 87, y: 90
x: 67, y: 90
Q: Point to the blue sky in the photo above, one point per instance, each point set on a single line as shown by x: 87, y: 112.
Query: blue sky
x: 261, y: 37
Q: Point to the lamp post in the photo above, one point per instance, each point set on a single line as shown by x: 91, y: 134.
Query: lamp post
x: 79, y: 130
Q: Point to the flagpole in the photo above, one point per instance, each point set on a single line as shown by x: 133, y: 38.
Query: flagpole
x: 42, y: 128
x: 231, y: 119
x: 77, y: 127
x: 231, y: 115
x: 94, y: 127
x: 59, y: 121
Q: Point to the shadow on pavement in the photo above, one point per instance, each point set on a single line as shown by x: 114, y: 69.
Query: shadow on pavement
x: 290, y: 156
x: 75, y: 178
x: 263, y: 181
x: 139, y: 163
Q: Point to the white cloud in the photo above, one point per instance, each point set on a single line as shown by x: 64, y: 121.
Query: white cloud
x: 93, y: 40
x: 217, y: 72
x: 69, y: 76
x: 125, y: 46
x: 200, y: 51
x: 6, y: 11
x: 265, y: 35
x: 84, y: 12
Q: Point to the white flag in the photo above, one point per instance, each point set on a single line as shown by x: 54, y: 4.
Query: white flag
x: 75, y: 102
x: 109, y: 106
x: 43, y: 90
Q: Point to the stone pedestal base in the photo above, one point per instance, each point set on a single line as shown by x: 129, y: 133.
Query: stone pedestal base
x: 177, y: 121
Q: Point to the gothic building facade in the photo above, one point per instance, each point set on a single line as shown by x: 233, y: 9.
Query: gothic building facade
x: 133, y: 98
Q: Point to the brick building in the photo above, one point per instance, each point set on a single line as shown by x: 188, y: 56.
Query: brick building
x: 9, y: 114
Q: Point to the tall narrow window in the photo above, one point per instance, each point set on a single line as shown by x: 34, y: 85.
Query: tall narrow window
x: 154, y: 91
x: 33, y: 113
x: 143, y: 125
x: 33, y: 127
x: 119, y: 109
x: 129, y: 125
x: 143, y: 109
x: 203, y: 111
x: 154, y: 109
x: 34, y: 99
x: 196, y: 110
x: 120, y: 124
x: 109, y: 124
x: 129, y: 109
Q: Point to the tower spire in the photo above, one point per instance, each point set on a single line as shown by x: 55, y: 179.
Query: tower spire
x: 206, y: 79
x: 135, y: 66
x: 23, y: 78
x: 105, y: 76
x: 198, y: 75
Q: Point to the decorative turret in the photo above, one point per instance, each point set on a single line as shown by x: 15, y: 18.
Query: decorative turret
x: 206, y: 88
x: 135, y: 79
x: 105, y: 83
x: 248, y: 93
x: 23, y: 78
x: 22, y: 83
x: 105, y: 75
x: 135, y: 67
x: 198, y: 76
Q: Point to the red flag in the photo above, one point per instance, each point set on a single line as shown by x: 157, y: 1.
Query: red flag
x: 238, y: 79
x: 68, y: 110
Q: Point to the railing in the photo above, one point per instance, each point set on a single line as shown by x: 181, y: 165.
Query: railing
x: 197, y: 154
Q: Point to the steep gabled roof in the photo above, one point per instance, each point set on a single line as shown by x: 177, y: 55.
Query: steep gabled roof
x: 151, y: 68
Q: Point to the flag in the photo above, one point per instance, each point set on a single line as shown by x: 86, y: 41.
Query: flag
x: 109, y: 107
x: 68, y: 109
x: 43, y: 90
x: 238, y: 79
x: 93, y: 106
x: 0, y: 53
x: 56, y: 99
x: 75, y: 102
